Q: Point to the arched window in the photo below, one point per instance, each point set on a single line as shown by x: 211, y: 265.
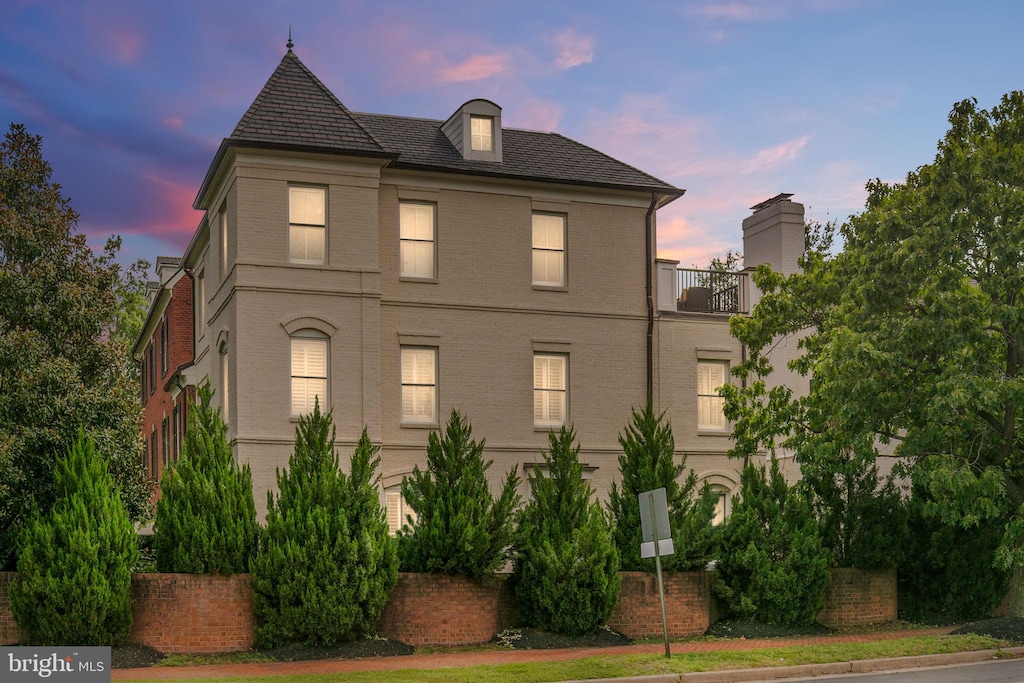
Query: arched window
x: 309, y: 351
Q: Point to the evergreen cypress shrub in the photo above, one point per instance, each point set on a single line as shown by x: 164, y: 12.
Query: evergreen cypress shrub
x: 461, y: 528
x: 773, y: 566
x: 647, y: 462
x: 206, y: 516
x: 949, y: 571
x: 74, y: 564
x: 326, y: 561
x: 565, y: 570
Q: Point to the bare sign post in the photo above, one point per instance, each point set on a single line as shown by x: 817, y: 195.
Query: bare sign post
x: 657, y: 541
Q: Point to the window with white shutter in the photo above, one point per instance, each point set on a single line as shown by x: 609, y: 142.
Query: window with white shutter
x: 309, y: 374
x: 548, y: 250
x: 710, y: 405
x: 398, y: 511
x: 550, y: 390
x: 417, y: 240
x: 419, y: 385
x: 307, y: 224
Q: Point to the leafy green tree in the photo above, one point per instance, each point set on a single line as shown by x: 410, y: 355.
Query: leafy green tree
x: 326, y: 561
x: 74, y: 564
x: 773, y: 567
x: 60, y: 370
x: 913, y: 332
x: 947, y: 573
x: 647, y: 462
x: 566, y: 566
x: 461, y: 528
x: 206, y: 517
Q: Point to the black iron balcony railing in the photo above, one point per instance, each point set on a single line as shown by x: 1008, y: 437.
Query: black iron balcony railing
x: 711, y: 291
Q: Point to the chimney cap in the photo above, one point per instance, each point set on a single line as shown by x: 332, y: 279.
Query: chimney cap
x: 781, y: 197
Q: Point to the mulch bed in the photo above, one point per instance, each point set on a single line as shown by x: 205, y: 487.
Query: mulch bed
x: 1008, y: 628
x: 535, y: 639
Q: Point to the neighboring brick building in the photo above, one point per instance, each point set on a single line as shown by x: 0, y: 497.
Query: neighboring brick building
x: 397, y: 268
x: 164, y: 352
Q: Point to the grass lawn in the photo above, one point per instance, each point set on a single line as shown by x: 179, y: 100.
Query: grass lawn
x: 640, y: 665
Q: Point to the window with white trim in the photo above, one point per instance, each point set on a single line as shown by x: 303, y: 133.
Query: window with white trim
x: 711, y: 376
x: 225, y: 382
x: 309, y: 371
x: 723, y: 503
x: 419, y: 385
x: 548, y: 250
x: 481, y: 133
x: 307, y: 226
x: 398, y: 511
x: 416, y: 233
x: 222, y: 231
x: 550, y: 389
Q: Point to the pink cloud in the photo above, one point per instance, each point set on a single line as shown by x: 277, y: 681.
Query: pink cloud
x: 534, y: 114
x: 475, y: 68
x: 172, y: 217
x: 781, y: 153
x: 172, y: 122
x: 573, y: 49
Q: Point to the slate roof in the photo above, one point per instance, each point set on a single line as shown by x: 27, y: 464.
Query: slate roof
x: 294, y: 110
x: 526, y: 154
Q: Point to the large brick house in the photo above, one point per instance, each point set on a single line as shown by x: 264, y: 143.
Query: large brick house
x: 397, y: 268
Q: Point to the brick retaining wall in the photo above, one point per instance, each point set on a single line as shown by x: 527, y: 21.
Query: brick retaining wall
x: 10, y: 632
x: 433, y: 609
x: 192, y: 612
x: 859, y: 597
x: 687, y: 604
x: 198, y: 613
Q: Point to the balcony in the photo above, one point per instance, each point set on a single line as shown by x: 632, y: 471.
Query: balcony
x: 702, y: 291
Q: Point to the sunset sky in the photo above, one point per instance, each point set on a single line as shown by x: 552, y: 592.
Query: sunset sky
x: 735, y: 101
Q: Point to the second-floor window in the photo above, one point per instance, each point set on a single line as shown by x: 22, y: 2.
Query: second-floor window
x: 710, y: 405
x: 548, y: 250
x: 307, y: 226
x: 417, y: 240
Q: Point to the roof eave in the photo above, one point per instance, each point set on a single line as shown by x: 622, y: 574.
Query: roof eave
x: 667, y: 193
x: 227, y: 144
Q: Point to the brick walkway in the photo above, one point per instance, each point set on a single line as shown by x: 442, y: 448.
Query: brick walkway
x: 460, y: 659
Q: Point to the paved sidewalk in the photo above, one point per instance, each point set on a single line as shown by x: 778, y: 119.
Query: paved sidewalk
x: 463, y: 659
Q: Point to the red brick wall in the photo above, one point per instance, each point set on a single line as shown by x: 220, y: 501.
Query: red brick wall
x: 687, y: 604
x: 157, y: 404
x: 10, y: 632
x: 433, y: 609
x: 192, y: 612
x: 858, y: 597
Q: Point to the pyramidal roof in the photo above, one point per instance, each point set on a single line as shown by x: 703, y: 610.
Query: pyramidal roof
x: 295, y: 109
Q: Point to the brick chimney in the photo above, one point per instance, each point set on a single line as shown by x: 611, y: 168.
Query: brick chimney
x: 774, y: 234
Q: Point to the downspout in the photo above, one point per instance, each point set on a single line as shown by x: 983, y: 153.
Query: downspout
x: 649, y: 224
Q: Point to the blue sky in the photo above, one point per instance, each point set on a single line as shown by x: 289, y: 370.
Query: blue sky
x: 733, y: 100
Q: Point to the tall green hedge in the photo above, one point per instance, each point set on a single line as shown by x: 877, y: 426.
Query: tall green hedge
x: 326, y: 561
x: 773, y: 567
x: 461, y: 528
x: 206, y: 516
x: 74, y: 564
x: 647, y: 462
x: 566, y: 566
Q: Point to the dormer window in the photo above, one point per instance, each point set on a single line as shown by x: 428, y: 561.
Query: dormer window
x: 482, y: 133
x: 475, y: 131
